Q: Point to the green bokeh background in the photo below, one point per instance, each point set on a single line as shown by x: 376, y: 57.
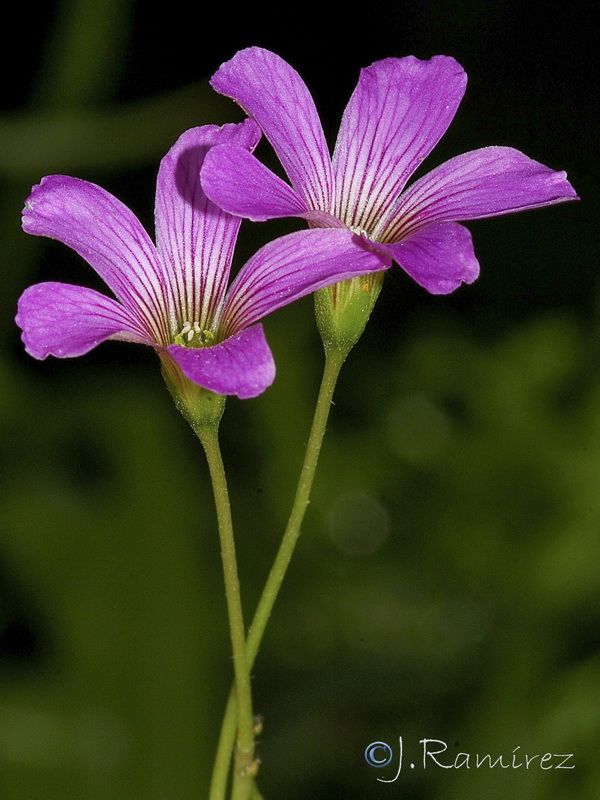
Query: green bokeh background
x: 447, y: 582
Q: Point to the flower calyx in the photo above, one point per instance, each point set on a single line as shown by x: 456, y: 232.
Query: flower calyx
x: 343, y: 309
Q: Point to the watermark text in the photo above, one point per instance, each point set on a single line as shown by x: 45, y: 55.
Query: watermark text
x: 434, y: 753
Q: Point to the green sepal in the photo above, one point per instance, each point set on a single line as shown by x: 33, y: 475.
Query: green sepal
x: 343, y: 309
x: 199, y: 406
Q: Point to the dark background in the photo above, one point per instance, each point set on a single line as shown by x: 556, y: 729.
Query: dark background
x: 446, y: 585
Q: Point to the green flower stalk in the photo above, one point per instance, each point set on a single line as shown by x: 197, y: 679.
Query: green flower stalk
x: 343, y: 310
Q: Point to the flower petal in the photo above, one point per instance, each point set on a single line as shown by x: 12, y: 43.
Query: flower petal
x: 109, y: 237
x: 398, y: 112
x: 240, y: 184
x: 273, y: 94
x: 438, y: 257
x: 62, y: 320
x: 242, y: 365
x: 295, y: 265
x: 195, y: 238
x: 482, y: 183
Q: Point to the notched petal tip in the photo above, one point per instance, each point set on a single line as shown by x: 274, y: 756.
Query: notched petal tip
x: 412, y: 65
x: 33, y: 206
x: 246, y: 133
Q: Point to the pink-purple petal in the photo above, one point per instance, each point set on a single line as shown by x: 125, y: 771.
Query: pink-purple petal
x: 241, y: 184
x: 438, y: 257
x: 482, y: 183
x: 241, y: 365
x: 398, y: 112
x: 62, y: 320
x: 271, y: 92
x: 195, y: 238
x: 109, y: 237
x: 295, y: 265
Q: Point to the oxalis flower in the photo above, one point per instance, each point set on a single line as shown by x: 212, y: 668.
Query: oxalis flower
x: 174, y: 295
x: 398, y: 112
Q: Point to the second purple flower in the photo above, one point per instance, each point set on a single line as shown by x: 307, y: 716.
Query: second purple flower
x: 398, y: 112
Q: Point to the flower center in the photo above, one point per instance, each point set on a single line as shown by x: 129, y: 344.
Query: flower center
x: 357, y: 230
x: 192, y: 335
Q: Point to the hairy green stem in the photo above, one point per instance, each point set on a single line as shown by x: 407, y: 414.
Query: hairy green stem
x: 335, y: 357
x: 244, y: 756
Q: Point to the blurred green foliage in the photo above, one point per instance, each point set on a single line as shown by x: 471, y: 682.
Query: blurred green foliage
x: 446, y: 584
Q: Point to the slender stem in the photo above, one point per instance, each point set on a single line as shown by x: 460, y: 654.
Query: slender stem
x: 334, y: 359
x: 333, y: 364
x: 256, y: 795
x: 244, y: 761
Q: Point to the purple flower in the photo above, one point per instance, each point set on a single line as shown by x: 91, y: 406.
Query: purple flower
x: 398, y: 112
x: 173, y: 295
